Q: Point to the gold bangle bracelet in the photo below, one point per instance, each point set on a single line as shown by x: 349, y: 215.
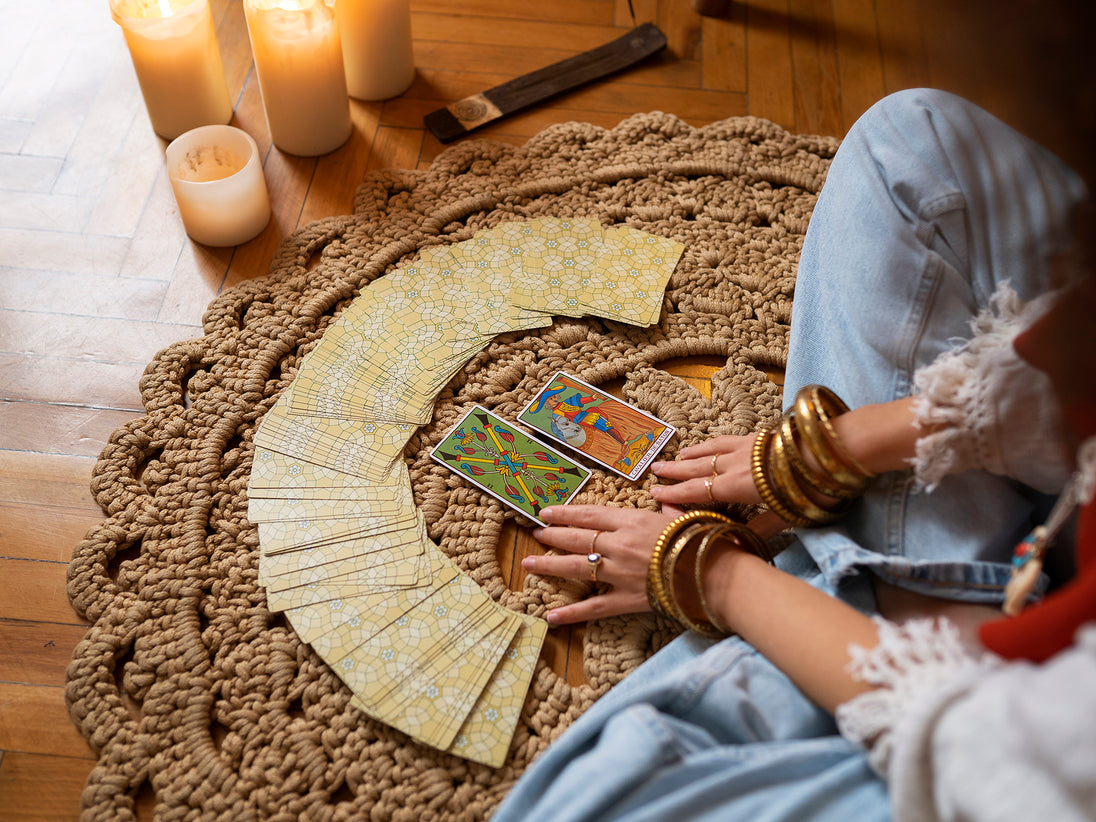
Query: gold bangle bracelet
x: 667, y: 563
x: 657, y: 597
x: 744, y: 539
x: 763, y: 484
x: 698, y: 576
x: 808, y: 421
x: 660, y: 598
x: 754, y: 544
x: 786, y: 486
x: 830, y: 405
x: 669, y: 566
x: 821, y: 483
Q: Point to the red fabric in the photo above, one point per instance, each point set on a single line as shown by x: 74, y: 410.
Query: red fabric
x: 1042, y: 630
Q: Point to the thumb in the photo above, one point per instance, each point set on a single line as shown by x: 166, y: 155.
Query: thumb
x: 672, y: 511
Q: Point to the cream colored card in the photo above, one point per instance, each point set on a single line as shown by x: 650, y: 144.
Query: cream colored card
x: 424, y: 673
x: 365, y: 448
x: 629, y: 281
x: 434, y: 703
x: 399, y: 573
x: 371, y: 373
x: 555, y: 254
x: 349, y: 556
x: 288, y: 508
x: 296, y: 535
x: 390, y: 496
x: 271, y: 469
x: 488, y: 730
x: 335, y: 629
x: 485, y: 268
x: 314, y: 565
x: 315, y: 593
x: 439, y: 277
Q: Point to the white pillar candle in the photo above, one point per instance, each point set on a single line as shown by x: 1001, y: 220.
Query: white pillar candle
x: 217, y: 177
x: 376, y: 43
x: 174, y: 52
x: 298, y: 59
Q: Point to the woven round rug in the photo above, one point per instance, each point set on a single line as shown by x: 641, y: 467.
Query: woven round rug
x: 186, y: 684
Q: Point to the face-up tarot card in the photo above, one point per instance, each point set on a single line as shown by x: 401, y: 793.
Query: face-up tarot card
x: 511, y: 466
x: 607, y: 430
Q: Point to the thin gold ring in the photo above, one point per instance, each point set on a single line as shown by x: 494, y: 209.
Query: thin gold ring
x: 594, y: 560
x: 715, y: 471
x: 593, y: 542
x: 708, y: 482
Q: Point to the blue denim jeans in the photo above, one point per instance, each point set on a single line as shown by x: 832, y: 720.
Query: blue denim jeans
x: 928, y: 207
x: 929, y: 204
x: 701, y: 731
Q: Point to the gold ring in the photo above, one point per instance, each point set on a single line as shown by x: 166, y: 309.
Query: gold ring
x: 715, y: 471
x: 593, y: 559
x: 593, y: 542
x: 708, y: 484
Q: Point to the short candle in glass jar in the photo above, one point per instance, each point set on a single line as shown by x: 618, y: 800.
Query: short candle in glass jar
x: 178, y: 65
x: 218, y: 182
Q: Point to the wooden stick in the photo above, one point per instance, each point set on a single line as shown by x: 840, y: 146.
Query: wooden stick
x: 459, y: 118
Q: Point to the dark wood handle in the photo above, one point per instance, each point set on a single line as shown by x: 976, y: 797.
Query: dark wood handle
x: 459, y: 118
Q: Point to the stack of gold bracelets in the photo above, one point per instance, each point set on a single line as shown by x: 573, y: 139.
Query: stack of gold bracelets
x: 707, y: 526
x: 781, y: 475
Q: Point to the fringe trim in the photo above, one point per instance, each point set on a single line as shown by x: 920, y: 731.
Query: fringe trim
x: 918, y: 658
x: 955, y: 392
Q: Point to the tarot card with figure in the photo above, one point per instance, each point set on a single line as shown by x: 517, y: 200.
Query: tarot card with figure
x: 607, y: 430
x: 507, y: 463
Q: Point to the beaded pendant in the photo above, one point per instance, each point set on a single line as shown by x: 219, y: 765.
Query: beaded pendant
x: 1027, y: 565
x: 1027, y: 557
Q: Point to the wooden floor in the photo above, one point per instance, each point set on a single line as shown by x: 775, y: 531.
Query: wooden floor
x: 96, y: 273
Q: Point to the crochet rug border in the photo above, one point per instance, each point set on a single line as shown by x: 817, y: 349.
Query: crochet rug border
x: 186, y: 683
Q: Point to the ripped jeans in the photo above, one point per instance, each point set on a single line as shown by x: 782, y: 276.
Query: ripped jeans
x: 929, y: 204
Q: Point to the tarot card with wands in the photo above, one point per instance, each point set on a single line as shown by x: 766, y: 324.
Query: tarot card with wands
x: 501, y: 459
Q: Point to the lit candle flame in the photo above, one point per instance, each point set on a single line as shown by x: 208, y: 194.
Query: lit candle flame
x: 165, y: 8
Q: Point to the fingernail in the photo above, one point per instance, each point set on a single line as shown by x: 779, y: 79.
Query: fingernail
x: 552, y: 617
x: 657, y: 466
x: 528, y: 563
x: 548, y: 513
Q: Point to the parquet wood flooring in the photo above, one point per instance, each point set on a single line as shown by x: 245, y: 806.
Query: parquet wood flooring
x: 97, y: 274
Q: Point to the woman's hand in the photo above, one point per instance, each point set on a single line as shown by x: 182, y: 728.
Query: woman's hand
x: 623, y: 537
x: 717, y: 470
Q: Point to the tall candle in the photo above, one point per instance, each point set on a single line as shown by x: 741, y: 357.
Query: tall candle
x: 376, y: 43
x: 217, y: 177
x: 298, y: 59
x: 174, y: 52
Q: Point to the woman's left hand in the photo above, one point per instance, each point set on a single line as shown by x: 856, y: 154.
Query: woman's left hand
x: 623, y: 539
x: 716, y: 470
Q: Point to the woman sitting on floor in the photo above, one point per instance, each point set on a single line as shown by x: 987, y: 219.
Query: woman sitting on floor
x: 927, y: 301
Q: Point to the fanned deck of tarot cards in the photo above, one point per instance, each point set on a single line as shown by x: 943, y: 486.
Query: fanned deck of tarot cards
x: 344, y: 552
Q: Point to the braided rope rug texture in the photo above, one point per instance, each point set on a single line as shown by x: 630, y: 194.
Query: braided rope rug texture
x: 188, y: 685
